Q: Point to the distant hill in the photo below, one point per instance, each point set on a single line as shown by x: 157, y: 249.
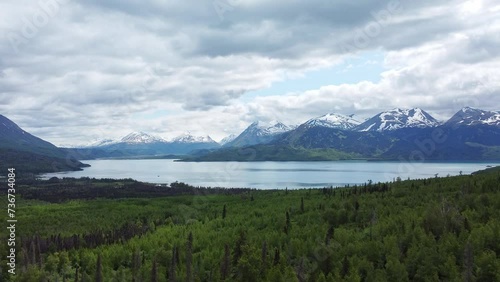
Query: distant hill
x: 141, y: 144
x: 272, y: 153
x: 28, y: 153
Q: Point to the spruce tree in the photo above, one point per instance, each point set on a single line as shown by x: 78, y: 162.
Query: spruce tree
x: 263, y: 259
x: 98, y: 272
x: 171, y: 272
x: 276, y: 256
x: 345, y: 267
x: 189, y: 258
x: 329, y: 235
x: 154, y: 271
x: 468, y: 263
x: 225, y: 265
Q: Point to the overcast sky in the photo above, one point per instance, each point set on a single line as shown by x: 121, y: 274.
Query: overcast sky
x: 72, y: 71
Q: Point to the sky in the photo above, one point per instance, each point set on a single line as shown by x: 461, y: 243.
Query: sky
x: 73, y: 71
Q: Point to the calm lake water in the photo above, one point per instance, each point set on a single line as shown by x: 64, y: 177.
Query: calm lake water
x: 267, y: 175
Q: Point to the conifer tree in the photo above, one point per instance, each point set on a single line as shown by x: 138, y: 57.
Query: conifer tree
x: 468, y: 263
x: 189, y: 258
x: 171, y: 272
x: 154, y: 271
x: 345, y: 267
x: 287, y: 227
x: 263, y: 258
x: 225, y: 263
x: 98, y: 272
x: 136, y: 265
x: 329, y: 235
x: 238, y: 249
x: 276, y: 256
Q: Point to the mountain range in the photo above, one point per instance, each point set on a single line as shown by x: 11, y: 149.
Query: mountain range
x: 141, y: 144
x: 470, y: 134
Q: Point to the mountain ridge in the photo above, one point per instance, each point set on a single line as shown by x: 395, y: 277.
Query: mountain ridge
x: 472, y: 134
x: 259, y: 133
x: 468, y: 116
x: 333, y: 120
x: 28, y: 153
x: 393, y: 138
x: 398, y: 118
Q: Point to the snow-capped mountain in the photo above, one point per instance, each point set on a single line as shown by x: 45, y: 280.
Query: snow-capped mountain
x: 470, y: 116
x: 102, y: 142
x: 397, y: 119
x: 143, y: 144
x: 227, y: 139
x: 260, y: 133
x: 141, y: 138
x: 333, y: 120
x: 270, y: 128
x: 188, y: 138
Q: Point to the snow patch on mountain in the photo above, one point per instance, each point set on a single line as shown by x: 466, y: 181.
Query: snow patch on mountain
x: 470, y: 116
x: 397, y: 119
x: 188, y: 138
x: 333, y: 120
x: 102, y: 142
x: 141, y: 138
x: 269, y: 128
x: 228, y: 139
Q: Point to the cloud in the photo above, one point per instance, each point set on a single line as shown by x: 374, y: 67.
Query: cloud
x: 73, y: 70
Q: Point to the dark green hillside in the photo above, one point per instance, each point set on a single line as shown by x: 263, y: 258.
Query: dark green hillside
x: 273, y: 153
x: 446, y: 143
x: 28, y: 153
x: 439, y: 229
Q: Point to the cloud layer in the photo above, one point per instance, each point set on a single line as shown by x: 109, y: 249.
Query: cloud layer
x: 72, y: 71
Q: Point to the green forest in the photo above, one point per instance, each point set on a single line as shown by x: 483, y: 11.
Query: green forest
x: 438, y: 229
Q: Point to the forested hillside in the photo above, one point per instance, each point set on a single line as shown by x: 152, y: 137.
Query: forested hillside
x: 439, y: 229
x: 29, y: 153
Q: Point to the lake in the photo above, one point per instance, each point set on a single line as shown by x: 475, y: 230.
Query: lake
x: 268, y: 175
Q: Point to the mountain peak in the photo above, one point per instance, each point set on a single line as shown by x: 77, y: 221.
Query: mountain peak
x: 228, y: 139
x: 269, y: 128
x: 399, y: 118
x: 471, y: 116
x: 140, y: 137
x: 260, y: 133
x: 468, y: 109
x: 333, y: 120
x: 189, y: 138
